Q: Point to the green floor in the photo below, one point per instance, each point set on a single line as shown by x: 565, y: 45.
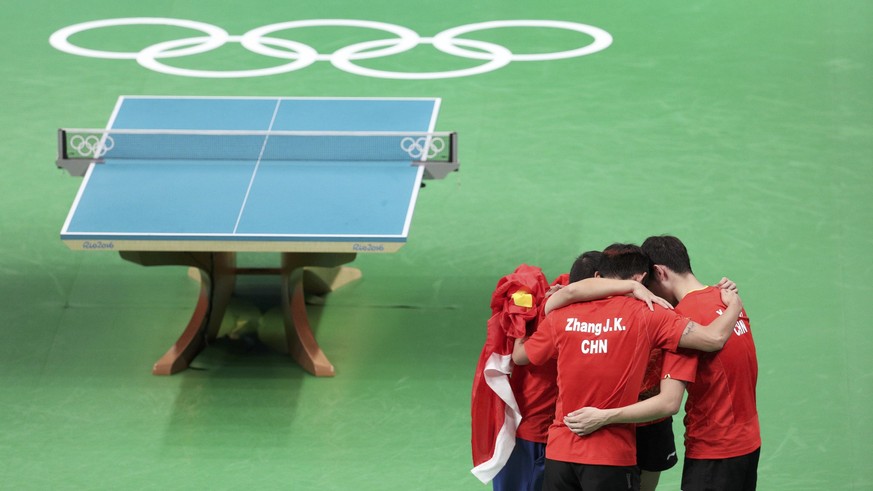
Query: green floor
x: 745, y: 128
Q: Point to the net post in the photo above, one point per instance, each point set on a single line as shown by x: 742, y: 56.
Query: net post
x: 439, y: 170
x: 75, y: 166
x: 453, y: 147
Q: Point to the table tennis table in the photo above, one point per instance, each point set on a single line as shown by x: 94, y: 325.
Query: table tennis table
x: 192, y: 181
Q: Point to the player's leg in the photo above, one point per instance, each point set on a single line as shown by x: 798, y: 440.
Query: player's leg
x: 732, y: 474
x: 539, y: 466
x: 656, y: 452
x: 610, y: 478
x: 561, y: 476
x: 751, y: 481
x: 649, y: 480
x: 524, y: 469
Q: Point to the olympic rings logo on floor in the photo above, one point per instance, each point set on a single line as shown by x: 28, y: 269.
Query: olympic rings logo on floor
x: 299, y: 55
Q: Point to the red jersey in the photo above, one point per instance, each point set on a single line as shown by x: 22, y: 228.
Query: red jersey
x: 602, y: 349
x: 721, y: 418
x: 495, y: 413
x: 536, y: 392
x: 652, y: 380
x: 509, y: 401
x: 535, y: 388
x: 680, y: 367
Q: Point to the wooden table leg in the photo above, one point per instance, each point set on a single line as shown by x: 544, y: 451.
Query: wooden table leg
x: 322, y: 274
x: 302, y: 272
x: 217, y: 281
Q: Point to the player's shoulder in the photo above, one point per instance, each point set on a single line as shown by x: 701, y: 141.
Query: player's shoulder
x: 709, y: 296
x: 704, y: 294
x: 619, y: 302
x: 632, y: 304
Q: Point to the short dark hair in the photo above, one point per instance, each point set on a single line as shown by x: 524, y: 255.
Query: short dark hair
x: 623, y: 261
x: 585, y: 266
x: 669, y: 251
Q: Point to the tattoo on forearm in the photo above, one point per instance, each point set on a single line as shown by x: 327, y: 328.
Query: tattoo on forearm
x: 689, y: 328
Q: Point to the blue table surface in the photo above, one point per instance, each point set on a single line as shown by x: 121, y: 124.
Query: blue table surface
x: 229, y: 200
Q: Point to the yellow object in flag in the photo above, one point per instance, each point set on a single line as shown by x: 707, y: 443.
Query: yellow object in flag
x: 522, y: 298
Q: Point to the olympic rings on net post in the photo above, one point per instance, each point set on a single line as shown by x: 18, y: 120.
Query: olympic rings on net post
x: 417, y: 148
x: 91, y: 145
x: 302, y: 55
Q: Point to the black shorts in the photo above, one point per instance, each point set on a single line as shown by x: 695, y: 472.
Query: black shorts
x: 567, y: 476
x: 656, y: 448
x: 733, y: 474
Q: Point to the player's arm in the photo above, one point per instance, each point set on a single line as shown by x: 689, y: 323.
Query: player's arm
x: 587, y: 420
x: 519, y: 354
x: 597, y: 288
x: 712, y: 337
x: 537, y: 348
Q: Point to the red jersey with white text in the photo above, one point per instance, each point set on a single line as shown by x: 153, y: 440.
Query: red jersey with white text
x: 602, y: 349
x: 721, y: 418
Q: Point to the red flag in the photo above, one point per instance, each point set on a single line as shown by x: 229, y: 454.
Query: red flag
x: 515, y: 306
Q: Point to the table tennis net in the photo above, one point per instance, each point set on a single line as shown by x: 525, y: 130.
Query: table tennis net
x: 101, y: 145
